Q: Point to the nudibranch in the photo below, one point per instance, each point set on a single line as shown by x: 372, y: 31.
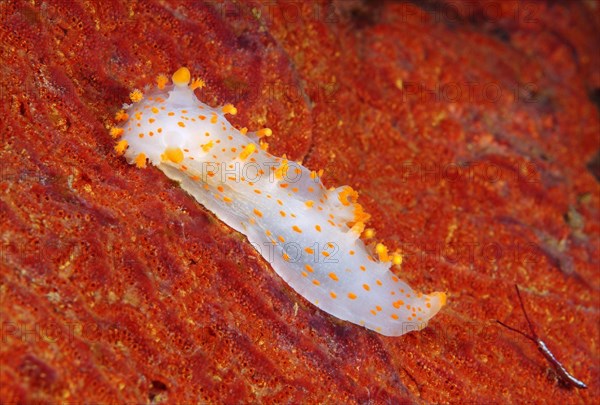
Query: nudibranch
x: 310, y: 235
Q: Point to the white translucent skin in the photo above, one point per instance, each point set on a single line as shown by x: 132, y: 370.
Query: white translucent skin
x: 255, y: 209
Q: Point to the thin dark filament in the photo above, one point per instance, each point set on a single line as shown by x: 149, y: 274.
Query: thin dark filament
x: 518, y: 331
x: 535, y: 336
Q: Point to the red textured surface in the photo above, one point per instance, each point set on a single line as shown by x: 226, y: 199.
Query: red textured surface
x: 468, y: 131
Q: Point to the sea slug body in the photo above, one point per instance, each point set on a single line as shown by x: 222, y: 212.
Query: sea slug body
x: 309, y: 234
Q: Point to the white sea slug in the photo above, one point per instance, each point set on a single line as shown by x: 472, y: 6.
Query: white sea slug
x: 310, y: 235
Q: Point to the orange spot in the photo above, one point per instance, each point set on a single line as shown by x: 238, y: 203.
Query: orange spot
x: 161, y: 81
x: 394, y: 316
x: 334, y: 277
x: 308, y: 268
x: 366, y: 287
x: 352, y: 296
x: 318, y: 228
x: 121, y: 116
x: 197, y: 84
x: 281, y: 170
x: 316, y: 282
x: 181, y: 77
x: 257, y: 213
x: 347, y: 196
x: 309, y: 250
x: 264, y: 132
x: 333, y: 295
x: 382, y: 252
x: 116, y: 132
x: 229, y: 109
x: 136, y: 96
x: 140, y: 161
x: 248, y: 149
x: 368, y: 233
x: 120, y: 147
x: 175, y: 155
x: 295, y: 228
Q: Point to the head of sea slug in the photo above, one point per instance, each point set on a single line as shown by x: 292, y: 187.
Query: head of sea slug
x: 153, y: 127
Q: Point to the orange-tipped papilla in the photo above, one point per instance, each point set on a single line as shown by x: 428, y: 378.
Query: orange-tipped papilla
x: 181, y: 77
